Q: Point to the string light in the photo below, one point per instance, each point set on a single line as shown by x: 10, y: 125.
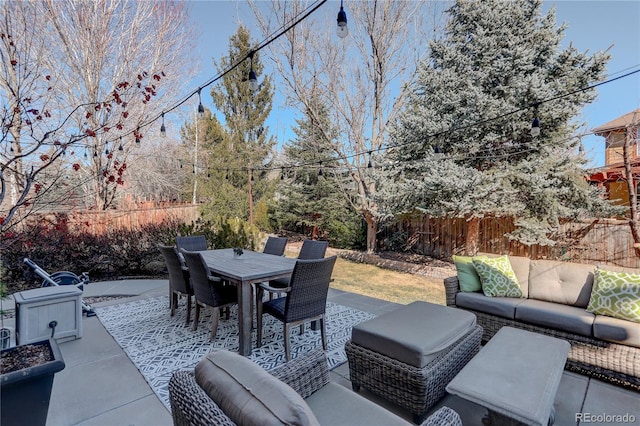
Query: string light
x: 200, y: 107
x: 369, y: 165
x: 535, y: 127
x: 137, y: 133
x: 253, y: 80
x: 163, y: 130
x: 320, y: 170
x: 342, y: 29
x: 120, y: 148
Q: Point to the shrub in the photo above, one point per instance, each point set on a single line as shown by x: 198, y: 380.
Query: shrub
x: 122, y: 252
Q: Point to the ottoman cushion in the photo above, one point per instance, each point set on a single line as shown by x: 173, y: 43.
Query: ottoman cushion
x: 414, y: 334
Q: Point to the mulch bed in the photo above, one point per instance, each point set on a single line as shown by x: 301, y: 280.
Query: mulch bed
x: 410, y: 263
x: 24, y: 356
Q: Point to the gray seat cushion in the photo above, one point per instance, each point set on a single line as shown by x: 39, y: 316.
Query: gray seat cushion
x: 504, y: 307
x: 561, y: 282
x: 248, y: 394
x: 617, y: 330
x: 556, y: 316
x: 414, y: 334
x: 336, y: 405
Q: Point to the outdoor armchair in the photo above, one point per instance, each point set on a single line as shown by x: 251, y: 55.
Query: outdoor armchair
x: 308, y: 376
x: 208, y: 290
x: 179, y: 284
x: 305, y: 300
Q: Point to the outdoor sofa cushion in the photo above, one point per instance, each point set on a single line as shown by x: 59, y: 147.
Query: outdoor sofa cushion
x: 520, y: 266
x: 248, y: 394
x: 617, y: 330
x: 557, y: 316
x: 335, y: 405
x: 561, y: 282
x: 616, y: 294
x: 467, y: 275
x: 500, y: 306
x: 497, y: 277
x: 415, y: 333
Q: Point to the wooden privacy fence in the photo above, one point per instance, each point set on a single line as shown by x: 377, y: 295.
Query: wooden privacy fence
x: 98, y: 222
x: 588, y: 241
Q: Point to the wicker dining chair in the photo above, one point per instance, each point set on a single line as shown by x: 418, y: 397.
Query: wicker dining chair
x: 191, y: 242
x: 310, y: 249
x: 306, y: 299
x: 179, y: 284
x: 208, y: 290
x: 275, y: 246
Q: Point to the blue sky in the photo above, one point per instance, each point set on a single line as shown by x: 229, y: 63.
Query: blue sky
x: 592, y: 25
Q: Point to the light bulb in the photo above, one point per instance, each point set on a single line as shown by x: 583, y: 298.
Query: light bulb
x: 342, y: 30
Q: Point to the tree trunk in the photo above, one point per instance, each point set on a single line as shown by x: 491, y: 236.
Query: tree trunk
x: 473, y: 236
x: 372, y: 231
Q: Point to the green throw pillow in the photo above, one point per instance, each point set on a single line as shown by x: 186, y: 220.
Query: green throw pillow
x: 467, y: 276
x: 616, y: 294
x: 497, y: 277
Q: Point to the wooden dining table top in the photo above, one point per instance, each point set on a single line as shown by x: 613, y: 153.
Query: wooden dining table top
x: 251, y: 266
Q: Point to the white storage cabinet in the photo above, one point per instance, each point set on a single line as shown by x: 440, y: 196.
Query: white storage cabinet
x: 38, y: 309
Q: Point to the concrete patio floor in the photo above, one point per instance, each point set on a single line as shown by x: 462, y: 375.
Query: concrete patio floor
x: 101, y: 386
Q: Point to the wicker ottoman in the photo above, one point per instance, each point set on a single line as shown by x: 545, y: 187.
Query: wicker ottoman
x: 409, y: 355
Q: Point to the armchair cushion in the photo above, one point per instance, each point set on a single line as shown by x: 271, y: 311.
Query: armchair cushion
x: 335, y: 405
x: 248, y: 394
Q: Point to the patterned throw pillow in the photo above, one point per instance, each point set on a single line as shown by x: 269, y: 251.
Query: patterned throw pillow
x: 616, y: 294
x: 468, y: 278
x: 497, y: 277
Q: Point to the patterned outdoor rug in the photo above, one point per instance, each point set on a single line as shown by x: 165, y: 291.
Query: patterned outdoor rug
x: 159, y: 344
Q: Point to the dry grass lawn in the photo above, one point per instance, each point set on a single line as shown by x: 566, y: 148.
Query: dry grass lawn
x: 373, y: 281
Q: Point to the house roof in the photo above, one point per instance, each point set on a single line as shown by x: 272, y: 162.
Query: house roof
x: 621, y: 122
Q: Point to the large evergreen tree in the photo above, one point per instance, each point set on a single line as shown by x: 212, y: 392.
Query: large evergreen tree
x: 244, y: 148
x: 463, y: 146
x: 306, y: 198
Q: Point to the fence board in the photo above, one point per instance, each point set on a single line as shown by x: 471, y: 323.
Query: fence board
x: 603, y: 241
x: 99, y: 222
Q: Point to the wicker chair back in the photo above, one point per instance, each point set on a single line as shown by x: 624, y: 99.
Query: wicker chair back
x: 312, y: 249
x: 178, y: 277
x: 191, y: 242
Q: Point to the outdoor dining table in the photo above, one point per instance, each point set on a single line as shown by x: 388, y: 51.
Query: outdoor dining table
x: 244, y: 270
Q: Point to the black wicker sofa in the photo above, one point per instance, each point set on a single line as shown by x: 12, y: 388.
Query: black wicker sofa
x: 554, y: 302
